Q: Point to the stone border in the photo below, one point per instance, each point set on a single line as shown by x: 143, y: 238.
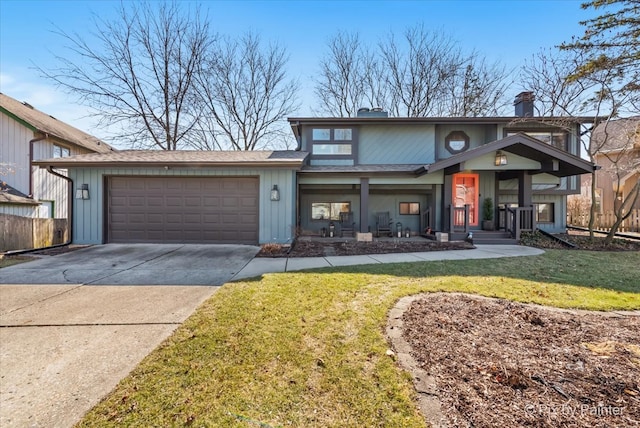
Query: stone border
x: 424, y: 383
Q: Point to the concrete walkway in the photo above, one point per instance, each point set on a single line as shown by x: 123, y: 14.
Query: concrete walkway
x: 259, y: 266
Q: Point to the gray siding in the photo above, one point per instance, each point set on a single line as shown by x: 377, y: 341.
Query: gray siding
x: 478, y: 136
x: 381, y: 144
x: 14, y: 151
x: 276, y: 221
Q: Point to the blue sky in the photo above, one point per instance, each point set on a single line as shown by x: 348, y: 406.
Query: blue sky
x: 509, y: 31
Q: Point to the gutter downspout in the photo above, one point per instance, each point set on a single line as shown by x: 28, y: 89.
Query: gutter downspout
x: 35, y: 140
x: 69, y: 217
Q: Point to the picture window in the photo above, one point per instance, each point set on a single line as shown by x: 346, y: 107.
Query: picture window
x: 329, y: 210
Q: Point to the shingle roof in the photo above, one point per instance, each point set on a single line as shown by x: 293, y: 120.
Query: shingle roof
x: 191, y: 158
x: 47, y: 124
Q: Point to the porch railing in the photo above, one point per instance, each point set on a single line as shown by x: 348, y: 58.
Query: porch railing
x: 458, y: 219
x: 518, y: 220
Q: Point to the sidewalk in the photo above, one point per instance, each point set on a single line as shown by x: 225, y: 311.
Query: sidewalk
x: 259, y: 266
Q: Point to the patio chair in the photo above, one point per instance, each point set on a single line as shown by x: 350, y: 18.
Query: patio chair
x: 383, y: 223
x: 346, y: 223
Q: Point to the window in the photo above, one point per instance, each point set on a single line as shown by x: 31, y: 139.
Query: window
x: 456, y: 142
x: 342, y: 134
x: 556, y: 139
x: 61, y: 151
x: 332, y: 149
x: 329, y: 210
x: 321, y: 134
x: 409, y: 208
x: 332, y: 142
x: 544, y: 212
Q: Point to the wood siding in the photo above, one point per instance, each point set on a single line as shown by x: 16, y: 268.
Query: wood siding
x: 14, y: 150
x: 381, y: 145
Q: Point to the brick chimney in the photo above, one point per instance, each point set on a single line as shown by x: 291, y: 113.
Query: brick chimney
x: 524, y: 104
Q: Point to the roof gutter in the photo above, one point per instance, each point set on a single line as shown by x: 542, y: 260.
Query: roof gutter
x: 69, y: 218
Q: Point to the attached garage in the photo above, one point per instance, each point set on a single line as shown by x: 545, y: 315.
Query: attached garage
x: 182, y: 210
x: 207, y: 197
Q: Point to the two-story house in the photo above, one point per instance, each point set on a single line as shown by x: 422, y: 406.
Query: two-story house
x: 426, y: 173
x: 27, y: 135
x: 434, y: 173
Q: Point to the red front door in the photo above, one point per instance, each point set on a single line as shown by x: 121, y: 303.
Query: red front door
x: 465, y: 192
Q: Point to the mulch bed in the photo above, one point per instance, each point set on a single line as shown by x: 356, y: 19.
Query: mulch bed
x: 319, y: 248
x: 581, y: 240
x: 503, y: 364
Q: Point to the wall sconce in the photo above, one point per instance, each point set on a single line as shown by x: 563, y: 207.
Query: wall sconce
x: 501, y: 158
x: 83, y: 192
x: 275, y: 193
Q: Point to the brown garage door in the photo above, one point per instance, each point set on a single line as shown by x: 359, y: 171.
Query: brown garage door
x: 183, y: 209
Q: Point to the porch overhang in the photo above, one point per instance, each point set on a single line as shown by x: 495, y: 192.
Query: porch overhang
x: 548, y: 159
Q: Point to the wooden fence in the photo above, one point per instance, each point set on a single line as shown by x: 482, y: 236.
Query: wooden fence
x: 22, y: 233
x: 604, y: 221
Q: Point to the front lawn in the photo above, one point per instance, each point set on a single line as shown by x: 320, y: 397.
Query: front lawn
x: 308, y: 349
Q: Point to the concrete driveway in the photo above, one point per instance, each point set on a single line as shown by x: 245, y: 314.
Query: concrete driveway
x: 135, y: 264
x: 63, y: 347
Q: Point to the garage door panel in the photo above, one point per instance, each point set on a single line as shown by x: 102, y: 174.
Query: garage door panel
x: 183, y: 209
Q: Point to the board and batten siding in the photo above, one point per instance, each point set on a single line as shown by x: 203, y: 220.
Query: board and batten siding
x: 14, y: 153
x: 381, y: 145
x: 276, y: 218
x: 49, y: 187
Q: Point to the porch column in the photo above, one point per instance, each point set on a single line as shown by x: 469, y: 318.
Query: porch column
x: 446, y: 201
x: 525, y: 189
x: 364, y: 204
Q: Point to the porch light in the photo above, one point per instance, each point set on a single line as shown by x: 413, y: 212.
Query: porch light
x: 275, y: 193
x: 501, y: 158
x: 83, y: 192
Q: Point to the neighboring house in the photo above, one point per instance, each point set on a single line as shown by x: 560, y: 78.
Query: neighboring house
x: 619, y: 159
x: 27, y: 135
x: 427, y: 173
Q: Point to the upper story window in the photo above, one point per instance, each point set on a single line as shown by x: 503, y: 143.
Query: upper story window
x: 61, y: 151
x: 332, y: 141
x: 554, y: 138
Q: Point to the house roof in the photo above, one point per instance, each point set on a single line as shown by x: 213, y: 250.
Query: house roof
x: 523, y: 145
x: 41, y: 122
x: 620, y: 134
x: 179, y: 158
x: 550, y: 120
x: 11, y: 195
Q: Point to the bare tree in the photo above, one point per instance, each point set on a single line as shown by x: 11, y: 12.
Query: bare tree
x: 618, y: 144
x: 350, y: 77
x: 477, y: 89
x: 139, y: 77
x: 418, y: 70
x: 596, y: 95
x: 422, y: 73
x: 545, y: 75
x: 245, y: 94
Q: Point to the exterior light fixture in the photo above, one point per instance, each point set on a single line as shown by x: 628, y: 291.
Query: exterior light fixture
x: 275, y: 193
x: 83, y: 192
x: 501, y: 158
